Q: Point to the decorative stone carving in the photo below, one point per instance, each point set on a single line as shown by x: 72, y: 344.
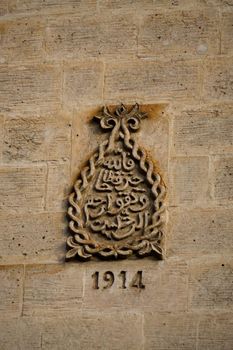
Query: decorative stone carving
x: 117, y: 204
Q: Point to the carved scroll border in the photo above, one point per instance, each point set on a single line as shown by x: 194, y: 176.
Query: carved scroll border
x: 82, y: 244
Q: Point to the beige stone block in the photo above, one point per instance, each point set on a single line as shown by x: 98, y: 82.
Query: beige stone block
x: 215, y: 332
x: 76, y: 36
x: 3, y: 7
x: 165, y: 285
x: 151, y: 80
x: 204, y: 130
x: 83, y: 84
x: 22, y: 40
x: 210, y: 284
x: 1, y: 135
x: 200, y: 232
x: 95, y: 330
x: 218, y: 79
x: 37, y: 138
x: 51, y: 6
x: 24, y: 139
x: 222, y: 173
x: 179, y: 33
x: 84, y: 330
x: 20, y: 333
x: 52, y: 289
x: 227, y: 32
x: 189, y: 181
x: 170, y: 331
x: 152, y: 136
x: 58, y: 186
x: 11, y: 290
x: 28, y: 88
x: 22, y: 188
x: 32, y: 238
x: 152, y: 5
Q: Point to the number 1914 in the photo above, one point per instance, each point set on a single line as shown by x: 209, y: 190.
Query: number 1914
x: 108, y: 279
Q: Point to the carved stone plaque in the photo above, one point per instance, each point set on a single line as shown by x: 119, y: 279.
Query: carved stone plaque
x: 117, y: 204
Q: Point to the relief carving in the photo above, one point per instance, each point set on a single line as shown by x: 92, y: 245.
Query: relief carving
x: 117, y: 204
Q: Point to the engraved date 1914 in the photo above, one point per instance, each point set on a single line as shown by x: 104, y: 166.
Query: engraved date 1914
x: 108, y: 278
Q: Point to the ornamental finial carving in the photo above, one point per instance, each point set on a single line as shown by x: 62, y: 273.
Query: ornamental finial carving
x: 116, y: 208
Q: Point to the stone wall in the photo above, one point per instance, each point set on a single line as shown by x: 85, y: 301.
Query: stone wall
x: 60, y: 61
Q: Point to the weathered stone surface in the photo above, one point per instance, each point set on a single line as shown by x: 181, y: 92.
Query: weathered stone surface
x: 179, y: 33
x: 227, y: 32
x: 1, y: 135
x: 58, y: 186
x: 170, y: 331
x: 152, y: 6
x: 36, y: 88
x: 83, y: 84
x: 151, y: 80
x: 3, y: 7
x: 210, y: 284
x: 222, y: 177
x: 37, y: 138
x: 56, y: 6
x: 22, y: 188
x: 76, y: 36
x: 218, y: 78
x: 11, y: 290
x: 189, y: 181
x: 204, y: 130
x: 200, y: 232
x: 52, y: 289
x: 215, y: 332
x: 32, y: 238
x: 87, y: 330
x: 165, y: 286
x: 22, y: 40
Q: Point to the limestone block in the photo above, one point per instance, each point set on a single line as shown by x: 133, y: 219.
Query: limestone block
x: 200, y: 232
x: 83, y: 84
x: 52, y: 289
x: 222, y: 174
x: 189, y: 181
x: 227, y: 32
x: 165, y: 285
x: 51, y: 6
x: 210, y: 284
x: 180, y: 33
x: 95, y: 330
x: 88, y: 330
x: 22, y: 40
x: 22, y: 188
x: 58, y: 186
x: 23, y: 139
x: 20, y: 333
x: 32, y: 238
x: 146, y: 80
x: 11, y: 290
x: 218, y: 79
x: 28, y: 88
x: 35, y: 138
x: 215, y: 332
x: 170, y: 331
x: 152, y: 5
x: 204, y: 130
x: 3, y: 7
x: 76, y: 36
x: 1, y: 135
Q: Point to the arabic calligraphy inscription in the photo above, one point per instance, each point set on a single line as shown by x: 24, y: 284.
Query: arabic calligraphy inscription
x: 117, y: 204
